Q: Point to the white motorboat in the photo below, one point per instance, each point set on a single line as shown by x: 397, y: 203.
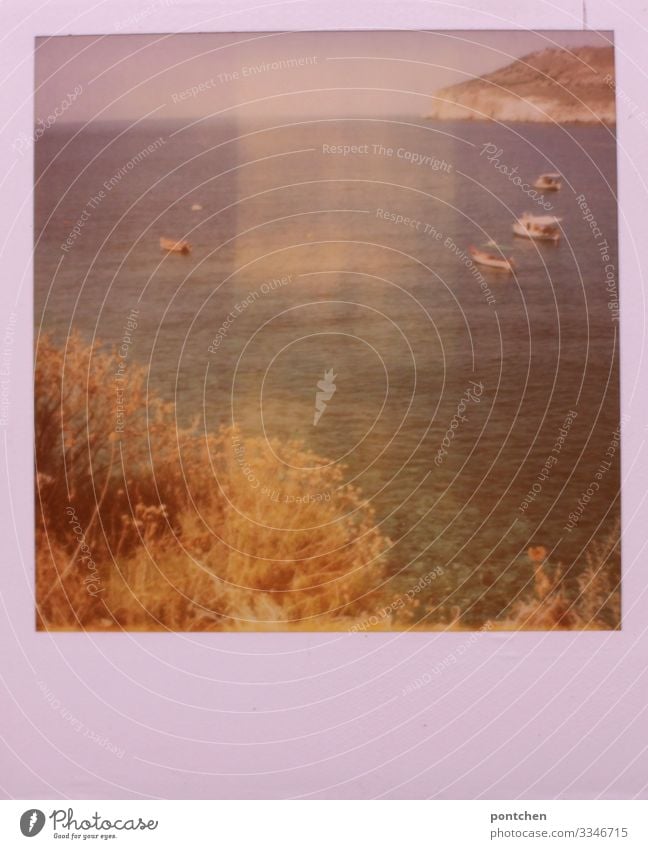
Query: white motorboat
x: 491, y: 259
x: 541, y: 227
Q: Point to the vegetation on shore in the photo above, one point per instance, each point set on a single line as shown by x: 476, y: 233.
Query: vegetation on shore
x: 146, y: 525
x: 182, y: 529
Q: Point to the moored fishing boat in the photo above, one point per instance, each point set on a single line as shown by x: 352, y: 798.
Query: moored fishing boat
x: 548, y: 182
x: 490, y: 259
x: 541, y: 227
x: 173, y: 246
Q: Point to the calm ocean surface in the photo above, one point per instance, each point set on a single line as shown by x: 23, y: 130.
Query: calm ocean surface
x: 390, y: 307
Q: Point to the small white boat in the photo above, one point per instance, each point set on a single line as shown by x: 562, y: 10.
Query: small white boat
x: 541, y: 227
x: 491, y: 260
x: 171, y: 246
x: 196, y: 207
x: 548, y: 182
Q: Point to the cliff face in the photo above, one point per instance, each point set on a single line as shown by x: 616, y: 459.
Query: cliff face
x: 552, y: 85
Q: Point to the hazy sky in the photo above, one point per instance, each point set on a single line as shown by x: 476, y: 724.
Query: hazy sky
x: 316, y: 73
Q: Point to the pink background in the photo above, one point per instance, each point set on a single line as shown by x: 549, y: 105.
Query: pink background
x: 262, y: 716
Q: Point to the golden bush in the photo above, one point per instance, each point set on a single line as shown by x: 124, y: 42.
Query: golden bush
x: 160, y: 526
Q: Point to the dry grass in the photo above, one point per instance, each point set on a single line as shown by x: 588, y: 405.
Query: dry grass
x: 594, y: 603
x: 182, y: 530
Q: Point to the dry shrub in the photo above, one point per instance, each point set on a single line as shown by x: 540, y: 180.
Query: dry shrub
x: 594, y: 604
x: 165, y: 527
